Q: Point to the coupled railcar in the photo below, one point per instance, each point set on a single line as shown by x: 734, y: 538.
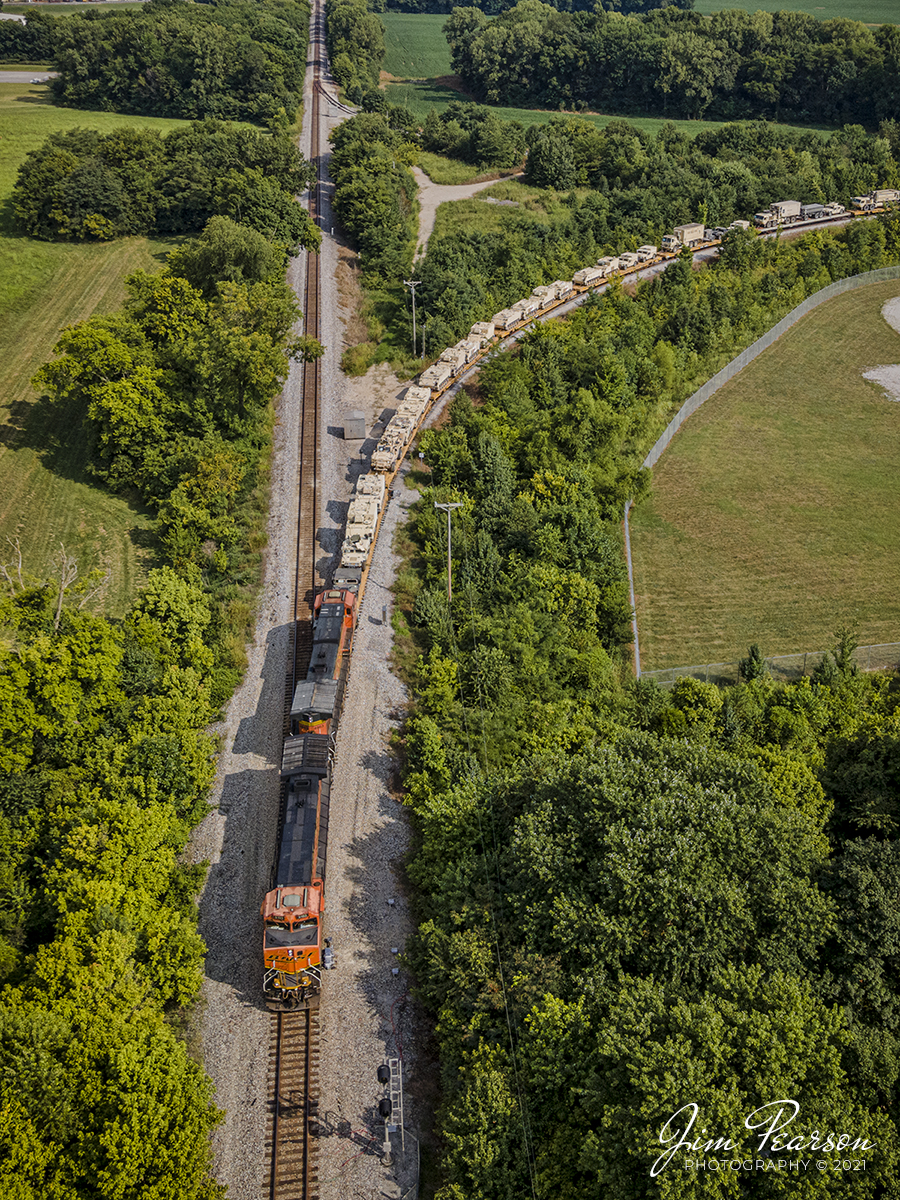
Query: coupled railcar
x: 294, y: 949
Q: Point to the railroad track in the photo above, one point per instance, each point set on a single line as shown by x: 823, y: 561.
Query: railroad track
x: 294, y: 1084
x: 307, y: 502
x: 293, y: 1050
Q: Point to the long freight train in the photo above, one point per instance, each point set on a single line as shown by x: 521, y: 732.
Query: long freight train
x: 295, y: 950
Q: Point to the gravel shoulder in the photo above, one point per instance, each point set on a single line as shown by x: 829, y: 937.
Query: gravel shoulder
x: 366, y: 1014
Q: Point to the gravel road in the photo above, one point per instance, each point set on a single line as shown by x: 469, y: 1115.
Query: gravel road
x: 431, y: 195
x: 888, y: 376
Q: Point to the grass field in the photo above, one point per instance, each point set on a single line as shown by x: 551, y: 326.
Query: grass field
x: 536, y: 205
x: 872, y: 12
x: 421, y: 95
x: 453, y: 171
x: 775, y: 513
x: 419, y: 59
x: 418, y: 54
x: 416, y: 46
x: 46, y: 495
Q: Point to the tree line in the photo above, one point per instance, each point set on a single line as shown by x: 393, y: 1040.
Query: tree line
x: 82, y: 184
x: 375, y: 194
x: 472, y: 133
x: 103, y: 771
x: 546, y: 460
x: 31, y: 41
x: 639, y: 188
x: 629, y: 900
x: 493, y: 7
x: 171, y: 58
x: 786, y: 66
x: 356, y: 49
x: 105, y: 764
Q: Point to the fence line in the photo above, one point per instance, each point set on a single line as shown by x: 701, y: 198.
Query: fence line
x: 727, y: 373
x: 747, y: 356
x: 782, y: 667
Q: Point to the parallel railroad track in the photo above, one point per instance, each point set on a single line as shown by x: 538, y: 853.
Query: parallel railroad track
x: 307, y: 510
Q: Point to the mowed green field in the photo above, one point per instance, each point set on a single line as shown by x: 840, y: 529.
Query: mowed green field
x: 872, y: 12
x: 416, y: 46
x: 775, y: 513
x: 46, y: 494
x: 419, y: 58
x: 421, y: 95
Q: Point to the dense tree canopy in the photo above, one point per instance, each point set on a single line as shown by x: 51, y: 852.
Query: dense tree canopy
x: 642, y: 187
x: 355, y: 37
x: 632, y: 900
x: 474, y: 134
x: 375, y: 192
x: 84, y: 185
x: 105, y: 762
x: 31, y: 40
x: 492, y: 7
x: 672, y: 62
x: 103, y: 772
x: 171, y: 58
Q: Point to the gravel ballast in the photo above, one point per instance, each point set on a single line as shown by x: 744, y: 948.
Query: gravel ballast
x: 366, y: 1013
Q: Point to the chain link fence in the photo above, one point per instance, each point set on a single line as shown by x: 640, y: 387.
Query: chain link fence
x: 784, y: 668
x: 737, y: 365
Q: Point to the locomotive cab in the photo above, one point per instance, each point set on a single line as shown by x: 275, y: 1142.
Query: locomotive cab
x: 292, y: 946
x: 312, y: 710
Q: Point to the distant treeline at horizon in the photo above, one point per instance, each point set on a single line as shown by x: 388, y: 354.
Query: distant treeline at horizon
x: 731, y: 66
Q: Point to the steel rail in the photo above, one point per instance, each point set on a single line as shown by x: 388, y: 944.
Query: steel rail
x: 293, y: 1050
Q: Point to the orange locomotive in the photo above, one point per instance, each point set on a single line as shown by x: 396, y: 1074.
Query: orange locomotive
x: 294, y: 948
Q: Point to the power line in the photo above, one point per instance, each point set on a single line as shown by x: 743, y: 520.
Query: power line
x: 412, y: 284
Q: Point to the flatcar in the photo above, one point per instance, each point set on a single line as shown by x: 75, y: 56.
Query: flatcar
x: 294, y: 949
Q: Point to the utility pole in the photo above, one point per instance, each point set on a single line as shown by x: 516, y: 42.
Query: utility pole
x: 448, y: 509
x: 412, y: 284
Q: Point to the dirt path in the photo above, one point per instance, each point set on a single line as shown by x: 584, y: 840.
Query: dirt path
x: 433, y: 194
x: 888, y: 376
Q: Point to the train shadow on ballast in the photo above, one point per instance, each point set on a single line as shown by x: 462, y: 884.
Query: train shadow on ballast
x: 229, y: 916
